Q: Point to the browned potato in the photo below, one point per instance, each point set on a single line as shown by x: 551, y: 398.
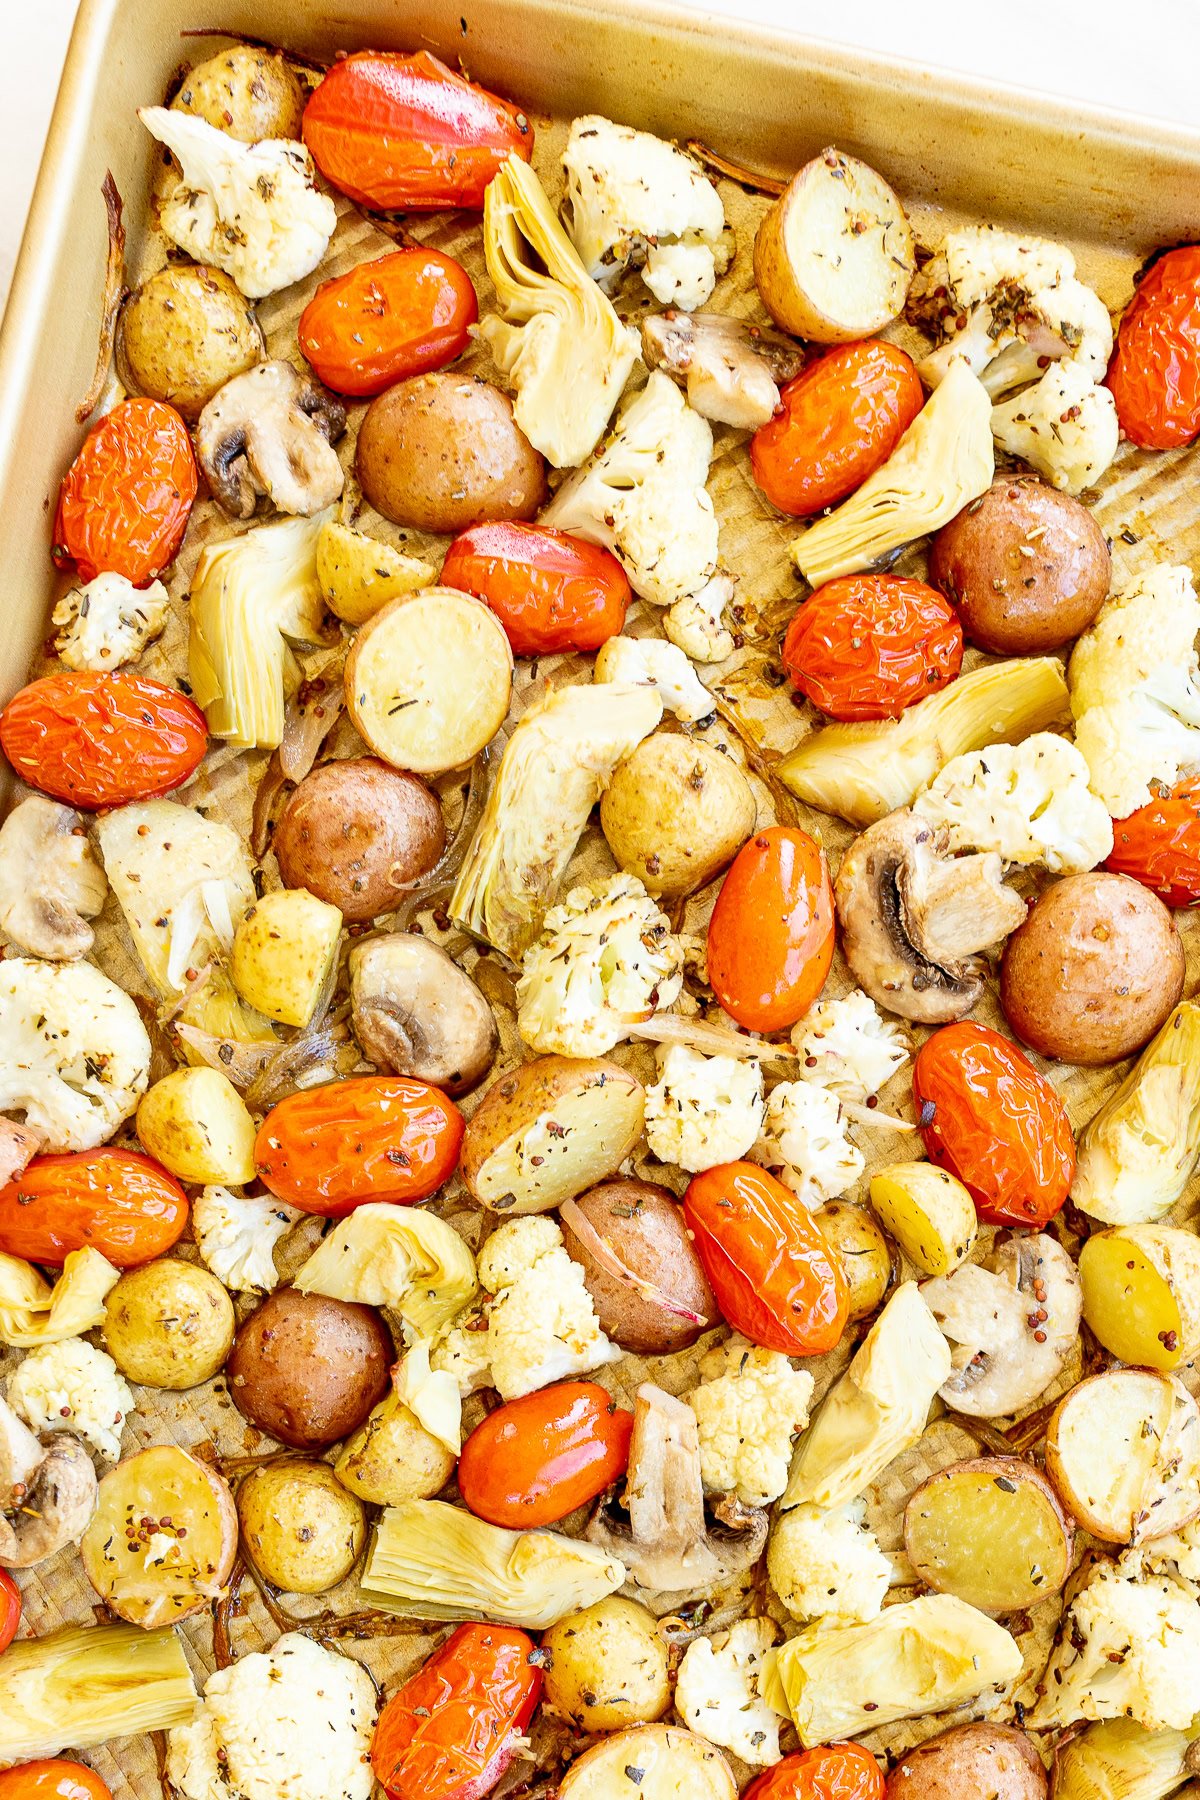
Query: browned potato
x: 307, y: 1369
x: 441, y: 452
x: 1123, y: 1451
x: 548, y: 1130
x: 675, y: 812
x: 248, y: 92
x: 183, y: 334
x: 863, y: 1252
x: 356, y: 833
x: 1026, y: 567
x: 1094, y: 971
x: 990, y: 1531
x: 640, y: 1228
x: 993, y: 1761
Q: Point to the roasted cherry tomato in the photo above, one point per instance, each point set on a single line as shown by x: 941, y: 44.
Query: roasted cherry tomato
x: 54, y: 1779
x: 774, y: 1275
x: 536, y: 1459
x: 1159, y: 844
x: 770, y: 937
x: 449, y: 1732
x: 833, y: 1772
x: 407, y: 134
x: 119, y: 1202
x: 99, y: 739
x: 124, y: 502
x: 382, y: 321
x: 1154, y: 375
x: 550, y: 591
x: 837, y: 421
x: 867, y: 646
x: 10, y: 1609
x: 988, y: 1117
x: 374, y: 1137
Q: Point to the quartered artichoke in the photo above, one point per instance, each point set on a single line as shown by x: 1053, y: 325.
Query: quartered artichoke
x: 396, y: 1256
x: 1136, y: 1155
x: 88, y: 1684
x: 32, y: 1312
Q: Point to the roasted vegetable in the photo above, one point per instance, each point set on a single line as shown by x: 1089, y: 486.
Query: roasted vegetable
x: 1117, y: 1759
x: 90, y: 1683
x: 992, y: 1531
x: 1141, y: 1293
x: 32, y: 1312
x: 161, y: 1543
x: 1136, y: 1155
x: 1123, y: 1451
x: 395, y: 1256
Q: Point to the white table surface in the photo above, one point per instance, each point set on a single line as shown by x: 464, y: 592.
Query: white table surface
x: 1142, y: 59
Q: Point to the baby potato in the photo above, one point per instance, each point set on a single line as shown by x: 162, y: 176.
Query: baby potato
x: 991, y: 1531
x: 301, y: 1527
x: 248, y: 92
x: 862, y: 1251
x: 607, y: 1666
x: 1141, y: 1293
x: 929, y: 1213
x: 639, y: 1226
x: 675, y: 812
x: 183, y: 334
x: 168, y: 1324
x: 195, y: 1123
x: 993, y: 1761
x: 393, y: 1458
x: 1123, y: 1453
x: 546, y: 1131
x: 283, y: 952
x: 358, y: 573
x: 308, y: 1368
x: 356, y: 833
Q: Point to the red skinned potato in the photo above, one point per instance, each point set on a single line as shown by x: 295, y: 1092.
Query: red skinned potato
x: 356, y: 833
x: 118, y: 1202
x: 370, y: 1137
x: 647, y: 1283
x: 993, y: 1760
x: 404, y: 314
x: 547, y: 1130
x: 307, y: 1369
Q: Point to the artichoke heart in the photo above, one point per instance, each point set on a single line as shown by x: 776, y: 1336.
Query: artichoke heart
x: 32, y: 1312
x: 1136, y: 1156
x: 396, y: 1256
x: 88, y: 1684
x: 1117, y: 1759
x: 430, y: 1560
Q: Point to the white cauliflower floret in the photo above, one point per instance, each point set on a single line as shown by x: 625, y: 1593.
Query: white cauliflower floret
x: 649, y: 662
x: 72, y: 1386
x: 703, y: 1110
x: 827, y: 1565
x: 236, y: 1235
x: 696, y: 624
x: 250, y: 209
x: 632, y: 200
x: 1130, y: 1647
x: 1065, y: 427
x: 642, y: 495
x: 108, y: 622
x: 1176, y: 1552
x: 848, y: 1048
x: 515, y: 1249
x: 1030, y: 802
x: 606, y: 958
x: 290, y: 1723
x: 463, y: 1350
x: 719, y: 1695
x: 804, y: 1138
x: 1135, y: 692
x: 74, y: 1054
x: 749, y: 1407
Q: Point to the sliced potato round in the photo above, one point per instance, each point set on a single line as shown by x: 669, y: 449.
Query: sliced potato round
x: 161, y: 1542
x: 990, y: 1531
x: 1123, y: 1452
x: 429, y: 680
x: 928, y: 1212
x: 358, y: 574
x: 283, y: 954
x: 651, y: 1762
x: 1141, y: 1293
x: 548, y: 1130
x: 862, y: 1250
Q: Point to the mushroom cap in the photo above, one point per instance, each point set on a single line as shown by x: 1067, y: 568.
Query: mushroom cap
x: 50, y: 881
x: 729, y: 367
x: 415, y: 1012
x: 271, y: 431
x: 47, y: 1492
x: 1006, y: 1353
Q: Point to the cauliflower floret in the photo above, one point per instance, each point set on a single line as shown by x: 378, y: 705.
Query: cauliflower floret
x: 749, y: 1407
x: 848, y: 1048
x: 237, y: 1234
x: 696, y: 624
x: 804, y: 1137
x: 290, y: 1723
x: 514, y: 1251
x: 1030, y: 802
x: 463, y: 1350
x: 642, y: 495
x: 703, y: 1110
x: 718, y: 1692
x: 250, y: 209
x: 1174, y: 1552
x: 649, y: 662
x: 1065, y: 427
x: 827, y: 1565
x: 74, y: 1054
x: 606, y: 958
x: 108, y: 622
x: 632, y: 200
x: 1130, y: 1647
x: 72, y: 1386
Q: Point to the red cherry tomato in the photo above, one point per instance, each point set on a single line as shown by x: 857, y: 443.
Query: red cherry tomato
x: 124, y: 502
x: 837, y: 421
x: 1154, y: 375
x: 10, y: 1609
x: 116, y: 1201
x: 97, y: 740
x: 374, y: 1137
x: 448, y: 1733
x: 536, y: 1459
x: 55, y: 1778
x: 1159, y: 844
x: 770, y: 937
x: 833, y: 1772
x: 867, y: 646
x: 550, y: 591
x: 407, y: 134
x: 403, y: 315
x: 988, y: 1117
x: 775, y: 1278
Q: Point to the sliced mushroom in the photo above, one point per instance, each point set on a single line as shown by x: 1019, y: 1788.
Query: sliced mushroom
x: 271, y: 431
x: 667, y: 1544
x: 1011, y: 1322
x: 731, y: 370
x: 416, y: 1013
x: 914, y: 920
x: 18, y: 1147
x: 47, y: 1492
x: 50, y: 882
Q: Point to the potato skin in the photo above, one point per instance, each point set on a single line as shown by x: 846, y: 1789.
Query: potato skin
x: 608, y: 1666
x: 354, y: 833
x: 643, y: 1223
x: 590, y: 1095
x: 184, y: 333
x: 675, y: 812
x: 168, y: 1324
x: 441, y: 452
x: 308, y: 1369
x: 863, y: 1252
x: 195, y: 1123
x: 393, y: 1458
x: 1011, y: 602
x: 1094, y: 971
x: 994, y: 1760
x: 302, y: 1530
x: 245, y: 91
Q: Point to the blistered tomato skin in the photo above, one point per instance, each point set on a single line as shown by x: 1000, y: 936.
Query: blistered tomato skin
x: 448, y: 1733
x: 53, y: 1778
x: 770, y: 937
x: 534, y: 1460
x: 988, y: 1117
x: 775, y: 1278
x: 1154, y: 375
x: 372, y: 1137
x: 97, y: 739
x: 1159, y: 845
x: 832, y: 1772
x: 124, y: 503
x: 867, y: 646
x: 383, y: 321
x: 837, y: 422
x: 549, y: 590
x: 119, y: 1202
x: 10, y: 1609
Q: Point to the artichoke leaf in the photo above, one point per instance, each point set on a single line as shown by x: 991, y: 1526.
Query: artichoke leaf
x: 90, y: 1683
x: 397, y: 1256
x: 1117, y: 1759
x: 32, y: 1312
x: 1136, y: 1156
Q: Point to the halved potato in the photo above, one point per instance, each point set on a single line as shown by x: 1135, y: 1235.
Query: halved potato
x: 1141, y: 1293
x: 991, y: 1531
x: 194, y: 1122
x: 650, y: 1762
x: 161, y: 1542
x: 548, y: 1130
x: 1123, y: 1452
x: 358, y: 574
x: 429, y: 680
x: 928, y: 1212
x: 834, y: 257
x: 283, y: 953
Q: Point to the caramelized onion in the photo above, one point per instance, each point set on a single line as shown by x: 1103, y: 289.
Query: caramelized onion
x: 606, y: 1258
x: 437, y: 884
x: 311, y: 715
x: 240, y: 1059
x: 110, y: 304
x: 713, y: 1040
